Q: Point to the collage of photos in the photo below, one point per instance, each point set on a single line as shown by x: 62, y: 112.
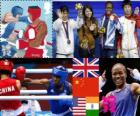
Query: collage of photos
x: 69, y: 58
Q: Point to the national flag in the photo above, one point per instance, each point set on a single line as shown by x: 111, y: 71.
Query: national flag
x: 86, y: 67
x: 92, y: 106
x: 88, y: 106
x: 79, y: 107
x: 83, y: 87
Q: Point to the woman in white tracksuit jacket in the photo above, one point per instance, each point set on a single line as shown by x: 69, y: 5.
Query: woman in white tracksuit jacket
x: 129, y: 42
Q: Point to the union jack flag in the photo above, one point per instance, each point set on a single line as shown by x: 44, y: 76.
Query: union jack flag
x: 86, y: 67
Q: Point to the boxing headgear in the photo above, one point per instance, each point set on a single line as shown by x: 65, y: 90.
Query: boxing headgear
x: 60, y: 71
x: 17, y: 10
x: 35, y: 12
x: 6, y: 65
x: 20, y: 73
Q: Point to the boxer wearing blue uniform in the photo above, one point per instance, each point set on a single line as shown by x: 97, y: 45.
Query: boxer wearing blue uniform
x: 16, y: 11
x: 57, y: 86
x: 126, y: 94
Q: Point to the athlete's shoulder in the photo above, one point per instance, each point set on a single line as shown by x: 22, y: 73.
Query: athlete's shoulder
x: 134, y: 86
x: 42, y: 22
x: 109, y: 93
x: 68, y: 84
x: 122, y: 18
x: 71, y: 21
x: 59, y: 20
x: 18, y: 84
x: 42, y: 25
x: 11, y: 79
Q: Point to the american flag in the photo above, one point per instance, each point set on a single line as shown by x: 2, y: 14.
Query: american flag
x: 79, y: 107
x: 85, y: 67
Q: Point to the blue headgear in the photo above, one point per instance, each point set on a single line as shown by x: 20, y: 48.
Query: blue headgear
x: 60, y: 71
x: 17, y: 10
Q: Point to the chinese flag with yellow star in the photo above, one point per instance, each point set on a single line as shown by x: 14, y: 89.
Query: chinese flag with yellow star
x: 83, y: 87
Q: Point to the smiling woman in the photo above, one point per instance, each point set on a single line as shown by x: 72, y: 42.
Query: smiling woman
x: 119, y: 75
x: 87, y: 33
x: 123, y: 88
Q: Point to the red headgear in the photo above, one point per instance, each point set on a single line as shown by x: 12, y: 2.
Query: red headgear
x: 20, y: 73
x: 35, y: 12
x: 6, y: 65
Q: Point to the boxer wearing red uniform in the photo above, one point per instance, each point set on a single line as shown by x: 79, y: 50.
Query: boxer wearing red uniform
x: 34, y: 34
x: 9, y: 87
x: 20, y: 73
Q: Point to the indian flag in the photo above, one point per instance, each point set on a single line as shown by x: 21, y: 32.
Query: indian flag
x: 92, y: 106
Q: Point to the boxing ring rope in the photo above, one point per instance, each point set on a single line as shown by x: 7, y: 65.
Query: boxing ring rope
x: 42, y: 70
x: 33, y: 91
x: 38, y: 71
x: 35, y: 97
x: 36, y: 91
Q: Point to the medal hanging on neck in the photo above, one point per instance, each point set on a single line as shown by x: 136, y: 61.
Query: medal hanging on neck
x: 66, y: 31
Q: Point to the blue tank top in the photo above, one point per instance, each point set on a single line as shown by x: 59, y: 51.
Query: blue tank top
x: 126, y: 102
x: 56, y: 108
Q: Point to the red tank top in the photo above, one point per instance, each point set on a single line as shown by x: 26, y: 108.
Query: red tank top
x: 137, y: 18
x: 34, y: 31
x: 8, y: 88
x: 138, y: 22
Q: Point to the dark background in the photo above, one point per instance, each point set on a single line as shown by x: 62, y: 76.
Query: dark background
x: 106, y: 64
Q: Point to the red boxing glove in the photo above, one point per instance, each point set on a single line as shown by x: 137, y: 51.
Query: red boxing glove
x: 21, y: 44
x: 20, y: 73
